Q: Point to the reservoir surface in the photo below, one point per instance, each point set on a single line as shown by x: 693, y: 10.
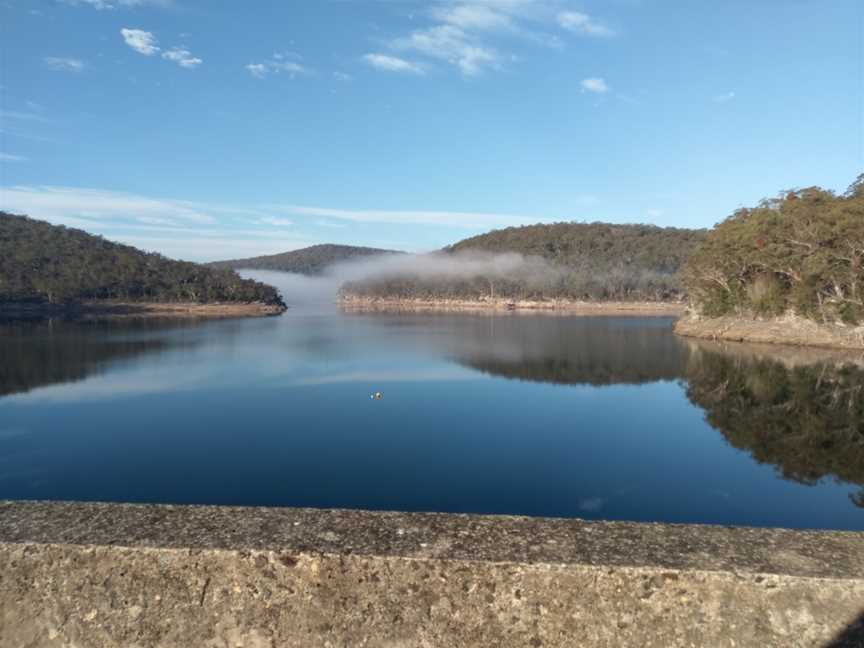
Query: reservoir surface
x: 545, y: 415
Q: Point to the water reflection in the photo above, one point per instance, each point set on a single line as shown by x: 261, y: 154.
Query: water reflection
x: 800, y: 411
x: 598, y: 417
x: 568, y: 350
x: 43, y: 352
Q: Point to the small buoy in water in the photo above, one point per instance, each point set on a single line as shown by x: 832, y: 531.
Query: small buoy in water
x: 376, y: 396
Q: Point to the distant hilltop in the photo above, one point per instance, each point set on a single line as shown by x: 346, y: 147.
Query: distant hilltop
x: 312, y: 260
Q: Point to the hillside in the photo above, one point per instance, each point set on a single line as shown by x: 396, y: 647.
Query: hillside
x: 309, y: 261
x: 563, y: 261
x: 800, y: 253
x: 42, y: 263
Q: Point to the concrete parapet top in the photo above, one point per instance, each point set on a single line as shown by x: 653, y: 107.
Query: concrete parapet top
x: 484, y: 538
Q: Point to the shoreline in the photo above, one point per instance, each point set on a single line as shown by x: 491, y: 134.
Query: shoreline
x: 789, y: 330
x: 142, y: 309
x: 355, y: 303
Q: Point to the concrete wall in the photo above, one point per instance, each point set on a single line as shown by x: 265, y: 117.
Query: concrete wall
x: 106, y: 575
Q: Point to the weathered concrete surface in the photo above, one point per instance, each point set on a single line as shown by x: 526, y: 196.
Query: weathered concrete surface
x: 106, y: 575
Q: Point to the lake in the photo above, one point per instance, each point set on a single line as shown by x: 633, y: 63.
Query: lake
x: 547, y: 415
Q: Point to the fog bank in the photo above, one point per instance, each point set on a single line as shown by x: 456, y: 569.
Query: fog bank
x: 299, y: 289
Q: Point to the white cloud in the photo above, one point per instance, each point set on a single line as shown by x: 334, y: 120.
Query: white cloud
x: 62, y: 64
x: 451, y: 44
x: 55, y: 204
x: 475, y: 35
x: 144, y: 42
x: 446, y: 218
x: 473, y: 16
x: 104, y: 5
x: 278, y: 66
x: 25, y: 116
x: 392, y: 63
x: 580, y: 23
x: 258, y: 70
x: 182, y: 57
x: 595, y: 85
x: 723, y: 98
x: 141, y: 41
x: 8, y: 157
x: 342, y: 76
x: 275, y: 220
x: 654, y: 213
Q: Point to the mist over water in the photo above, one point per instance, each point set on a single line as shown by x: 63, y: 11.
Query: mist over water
x: 299, y: 290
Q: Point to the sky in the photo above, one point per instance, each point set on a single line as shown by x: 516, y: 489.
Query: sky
x: 222, y: 129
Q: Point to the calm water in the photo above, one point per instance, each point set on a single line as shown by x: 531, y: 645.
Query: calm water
x: 596, y: 417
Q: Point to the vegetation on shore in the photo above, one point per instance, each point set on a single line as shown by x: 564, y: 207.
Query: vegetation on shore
x: 54, y: 265
x: 567, y: 261
x: 312, y: 260
x: 800, y: 253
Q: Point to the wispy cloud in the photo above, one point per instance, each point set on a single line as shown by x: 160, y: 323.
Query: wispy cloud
x: 446, y: 218
x: 209, y: 231
x: 723, y: 98
x: 63, y: 64
x: 58, y: 203
x: 392, y: 63
x: 107, y: 5
x: 475, y: 35
x: 277, y: 65
x: 182, y: 57
x: 9, y: 157
x: 473, y: 16
x: 23, y: 116
x: 450, y: 44
x: 595, y: 85
x: 275, y: 220
x: 583, y: 24
x: 141, y: 41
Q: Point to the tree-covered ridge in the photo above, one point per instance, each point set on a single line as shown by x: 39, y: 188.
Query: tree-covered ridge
x: 584, y: 261
x: 44, y: 263
x: 801, y: 253
x: 312, y: 260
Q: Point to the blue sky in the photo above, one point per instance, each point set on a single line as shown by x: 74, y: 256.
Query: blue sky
x: 219, y: 129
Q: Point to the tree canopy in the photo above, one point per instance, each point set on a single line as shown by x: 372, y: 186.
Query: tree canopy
x: 44, y: 263
x: 801, y: 252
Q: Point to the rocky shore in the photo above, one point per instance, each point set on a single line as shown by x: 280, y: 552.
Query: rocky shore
x: 142, y: 309
x: 353, y: 302
x: 790, y: 329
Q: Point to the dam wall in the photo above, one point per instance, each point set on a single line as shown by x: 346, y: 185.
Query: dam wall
x: 92, y: 575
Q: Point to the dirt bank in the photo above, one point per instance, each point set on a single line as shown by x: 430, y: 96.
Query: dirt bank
x: 789, y: 329
x: 351, y: 302
x: 141, y: 309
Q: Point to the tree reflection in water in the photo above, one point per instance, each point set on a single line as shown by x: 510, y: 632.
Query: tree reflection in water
x: 800, y: 410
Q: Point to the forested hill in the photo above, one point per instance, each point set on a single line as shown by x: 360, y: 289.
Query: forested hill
x: 310, y: 261
x: 44, y: 263
x: 598, y: 247
x: 587, y: 261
